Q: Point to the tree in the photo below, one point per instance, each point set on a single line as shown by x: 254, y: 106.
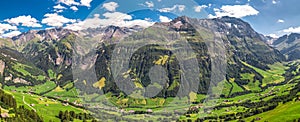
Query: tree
x: 60, y: 115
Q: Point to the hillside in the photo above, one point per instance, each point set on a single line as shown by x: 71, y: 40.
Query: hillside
x: 57, y: 65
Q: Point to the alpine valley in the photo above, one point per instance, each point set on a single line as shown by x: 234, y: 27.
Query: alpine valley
x: 261, y: 81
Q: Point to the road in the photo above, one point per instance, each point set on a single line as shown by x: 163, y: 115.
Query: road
x: 28, y: 104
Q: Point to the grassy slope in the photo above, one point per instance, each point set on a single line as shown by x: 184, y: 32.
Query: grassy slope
x: 47, y: 112
x: 283, y: 113
x: 271, y: 76
x: 49, y: 85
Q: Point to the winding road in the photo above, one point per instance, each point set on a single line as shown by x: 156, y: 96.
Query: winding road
x: 28, y: 104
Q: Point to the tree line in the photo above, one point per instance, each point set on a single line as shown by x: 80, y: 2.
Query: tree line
x: 66, y: 116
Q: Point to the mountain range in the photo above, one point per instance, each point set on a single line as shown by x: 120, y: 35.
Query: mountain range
x: 40, y: 56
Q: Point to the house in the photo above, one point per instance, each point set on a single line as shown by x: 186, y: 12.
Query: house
x: 258, y: 118
x: 4, y: 115
x: 65, y: 104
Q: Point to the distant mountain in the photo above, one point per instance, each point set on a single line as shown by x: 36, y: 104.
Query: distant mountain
x: 268, y: 39
x: 289, y: 45
x: 51, y: 51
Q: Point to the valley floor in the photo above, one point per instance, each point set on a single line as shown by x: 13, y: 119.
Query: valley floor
x: 275, y: 98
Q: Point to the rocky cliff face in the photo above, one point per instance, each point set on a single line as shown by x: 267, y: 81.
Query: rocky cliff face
x: 289, y: 45
x: 40, y: 35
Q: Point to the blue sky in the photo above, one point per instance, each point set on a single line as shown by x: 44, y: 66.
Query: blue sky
x: 275, y: 17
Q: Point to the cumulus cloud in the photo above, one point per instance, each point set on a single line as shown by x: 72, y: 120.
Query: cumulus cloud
x: 58, y: 11
x: 75, y: 26
x: 110, y: 6
x: 86, y: 3
x: 164, y: 19
x: 292, y: 30
x: 211, y: 16
x: 26, y: 21
x: 6, y: 27
x: 149, y: 4
x: 114, y: 18
x: 11, y: 34
x: 273, y: 35
x: 59, y: 6
x: 199, y: 8
x: 69, y: 2
x: 74, y: 8
x: 274, y: 2
x: 173, y: 9
x: 56, y: 20
x: 237, y: 11
x: 148, y: 19
x: 280, y: 21
x: 117, y: 16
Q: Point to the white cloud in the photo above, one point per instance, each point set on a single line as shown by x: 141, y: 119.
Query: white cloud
x: 74, y: 8
x: 199, y: 8
x: 164, y: 19
x: 6, y: 27
x: 181, y: 7
x: 111, y: 6
x: 274, y: 2
x: 167, y: 9
x: 27, y: 21
x: 237, y: 11
x: 58, y: 11
x: 56, y: 20
x: 292, y: 30
x: 59, y: 7
x: 76, y: 26
x: 173, y: 9
x: 86, y: 3
x: 209, y: 5
x: 131, y: 23
x: 280, y: 21
x: 149, y: 4
x: 273, y: 35
x: 148, y: 19
x: 211, y: 16
x: 11, y: 34
x: 69, y: 2
x: 115, y: 18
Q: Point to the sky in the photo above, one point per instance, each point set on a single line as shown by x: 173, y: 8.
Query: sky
x: 269, y: 17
